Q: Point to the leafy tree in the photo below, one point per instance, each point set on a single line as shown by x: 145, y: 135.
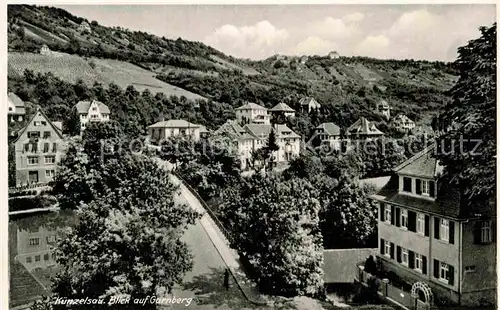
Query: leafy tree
x: 12, y: 165
x: 275, y: 225
x: 304, y: 166
x: 270, y: 148
x: 127, y: 241
x: 471, y: 115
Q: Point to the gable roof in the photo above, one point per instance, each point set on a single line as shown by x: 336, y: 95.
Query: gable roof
x: 262, y: 131
x: 282, y: 107
x: 251, y: 106
x: 84, y: 106
x: 363, y: 127
x: 174, y: 123
x: 383, y: 103
x: 15, y: 100
x: 308, y: 100
x: 422, y: 164
x: 330, y: 128
x: 56, y: 129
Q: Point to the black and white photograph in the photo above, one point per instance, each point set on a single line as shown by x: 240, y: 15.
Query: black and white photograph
x: 293, y: 156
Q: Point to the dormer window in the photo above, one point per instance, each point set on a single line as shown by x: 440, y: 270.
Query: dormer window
x: 407, y: 184
x: 425, y: 187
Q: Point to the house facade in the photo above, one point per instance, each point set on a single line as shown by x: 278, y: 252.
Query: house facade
x: 91, y: 111
x: 17, y: 109
x: 45, y: 50
x: 38, y: 149
x: 403, y: 123
x: 175, y: 127
x: 329, y: 133
x: 384, y: 109
x: 334, y: 55
x: 282, y: 109
x: 309, y: 104
x: 36, y: 247
x: 84, y: 26
x: 252, y: 113
x: 363, y: 129
x: 426, y: 235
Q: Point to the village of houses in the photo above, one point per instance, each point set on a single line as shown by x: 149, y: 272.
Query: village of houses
x: 444, y: 253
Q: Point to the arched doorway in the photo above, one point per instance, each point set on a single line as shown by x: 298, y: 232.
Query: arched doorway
x: 422, y: 294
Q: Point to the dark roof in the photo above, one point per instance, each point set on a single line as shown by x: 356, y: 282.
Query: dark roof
x: 174, y: 123
x: 422, y: 164
x: 330, y: 128
x: 251, y: 106
x: 307, y: 100
x: 340, y: 266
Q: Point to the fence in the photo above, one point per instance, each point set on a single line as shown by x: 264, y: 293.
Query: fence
x: 389, y: 292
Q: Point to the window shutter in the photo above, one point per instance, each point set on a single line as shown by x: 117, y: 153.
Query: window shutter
x: 424, y: 264
x: 398, y: 254
x: 382, y: 211
x: 436, y: 227
x: 436, y: 269
x: 427, y: 224
x: 477, y: 232
x: 411, y: 259
x: 26, y: 147
x: 418, y: 184
x: 451, y: 275
x: 46, y: 147
x: 412, y: 221
x: 393, y: 215
x: 54, y: 150
x: 382, y: 246
x: 452, y: 232
x: 432, y: 189
x: 398, y: 217
x: 392, y: 250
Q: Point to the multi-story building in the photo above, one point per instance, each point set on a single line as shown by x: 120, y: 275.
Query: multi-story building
x: 282, y: 109
x: 38, y: 148
x: 45, y: 50
x: 427, y: 233
x: 308, y: 104
x: 329, y: 133
x: 363, y: 129
x: 403, y: 123
x: 252, y: 113
x: 91, y: 111
x: 246, y: 140
x: 36, y: 247
x: 384, y: 109
x: 175, y: 127
x: 17, y: 110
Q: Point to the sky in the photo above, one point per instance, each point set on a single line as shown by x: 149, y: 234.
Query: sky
x: 431, y: 32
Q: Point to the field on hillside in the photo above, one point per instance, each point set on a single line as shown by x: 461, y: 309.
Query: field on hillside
x: 71, y: 68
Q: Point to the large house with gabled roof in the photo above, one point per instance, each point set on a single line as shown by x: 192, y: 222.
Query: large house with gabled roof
x: 17, y: 109
x: 38, y: 148
x: 427, y: 233
x: 329, y: 133
x: 282, y: 109
x: 309, y: 104
x: 252, y: 113
x: 363, y: 129
x: 163, y: 130
x: 91, y: 111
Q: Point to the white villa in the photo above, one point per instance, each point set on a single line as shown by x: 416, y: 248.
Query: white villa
x: 252, y: 113
x: 175, y: 127
x: 403, y: 123
x: 91, y: 111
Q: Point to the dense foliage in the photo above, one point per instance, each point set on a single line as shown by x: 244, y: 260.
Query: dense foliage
x: 468, y: 145
x: 127, y: 240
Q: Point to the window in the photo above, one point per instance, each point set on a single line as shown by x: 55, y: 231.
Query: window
x: 418, y: 262
x: 32, y: 160
x: 404, y: 218
x: 94, y: 116
x: 51, y: 239
x: 84, y: 115
x: 53, y: 256
x: 407, y: 184
x: 34, y: 241
x: 46, y: 134
x: 404, y: 256
x: 36, y: 123
x: 387, y: 250
x: 49, y: 173
x: 444, y: 272
x: 470, y: 268
x: 37, y: 258
x: 425, y: 187
x: 50, y: 159
x: 388, y: 214
x: 444, y: 231
x: 94, y: 108
x: 46, y: 257
x: 28, y: 259
x: 421, y: 223
x: 44, y: 123
x: 46, y: 147
x: 486, y: 232
x: 33, y: 134
x: 10, y: 109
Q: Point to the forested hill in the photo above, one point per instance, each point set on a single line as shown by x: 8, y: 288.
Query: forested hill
x: 348, y: 87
